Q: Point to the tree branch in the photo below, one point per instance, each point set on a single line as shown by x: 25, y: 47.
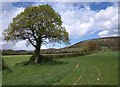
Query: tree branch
x: 44, y: 36
x: 31, y: 42
x: 33, y: 33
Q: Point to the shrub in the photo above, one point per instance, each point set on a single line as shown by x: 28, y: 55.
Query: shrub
x: 4, y: 65
x: 91, y: 46
x: 66, y: 55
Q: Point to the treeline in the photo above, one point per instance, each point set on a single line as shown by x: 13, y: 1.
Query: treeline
x: 62, y: 55
x: 58, y: 51
x: 19, y: 52
x: 46, y: 51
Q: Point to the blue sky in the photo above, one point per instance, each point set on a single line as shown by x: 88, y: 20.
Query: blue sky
x: 83, y: 20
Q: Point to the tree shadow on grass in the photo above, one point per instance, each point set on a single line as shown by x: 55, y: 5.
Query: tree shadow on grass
x: 46, y: 63
x: 53, y: 62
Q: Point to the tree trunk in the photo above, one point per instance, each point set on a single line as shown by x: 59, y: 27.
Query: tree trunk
x: 36, y: 57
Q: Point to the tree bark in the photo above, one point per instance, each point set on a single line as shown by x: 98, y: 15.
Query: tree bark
x: 36, y: 57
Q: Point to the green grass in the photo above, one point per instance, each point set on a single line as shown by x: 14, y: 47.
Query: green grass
x: 82, y: 70
x: 11, y: 60
x: 0, y: 78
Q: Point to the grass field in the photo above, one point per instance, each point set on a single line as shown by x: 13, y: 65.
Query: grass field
x: 94, y: 69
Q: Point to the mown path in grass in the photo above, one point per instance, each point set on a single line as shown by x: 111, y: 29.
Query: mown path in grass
x: 94, y: 69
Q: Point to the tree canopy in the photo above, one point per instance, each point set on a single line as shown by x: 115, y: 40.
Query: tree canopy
x: 37, y: 25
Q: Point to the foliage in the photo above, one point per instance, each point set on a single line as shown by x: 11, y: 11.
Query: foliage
x: 37, y: 25
x: 4, y: 65
x: 19, y: 52
x: 91, y: 46
x: 37, y: 22
x: 115, y: 48
x: 62, y: 55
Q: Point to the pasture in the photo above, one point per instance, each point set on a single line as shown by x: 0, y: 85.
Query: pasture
x: 94, y: 69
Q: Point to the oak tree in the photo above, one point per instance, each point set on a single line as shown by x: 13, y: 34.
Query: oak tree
x: 37, y: 25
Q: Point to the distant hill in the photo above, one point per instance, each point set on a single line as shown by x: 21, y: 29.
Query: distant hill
x: 106, y: 43
x: 103, y: 42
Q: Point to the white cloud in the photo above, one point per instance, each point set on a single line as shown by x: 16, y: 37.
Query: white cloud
x: 103, y: 33
x: 107, y: 33
x: 107, y: 21
x: 78, y: 22
x: 81, y: 22
x: 8, y: 15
